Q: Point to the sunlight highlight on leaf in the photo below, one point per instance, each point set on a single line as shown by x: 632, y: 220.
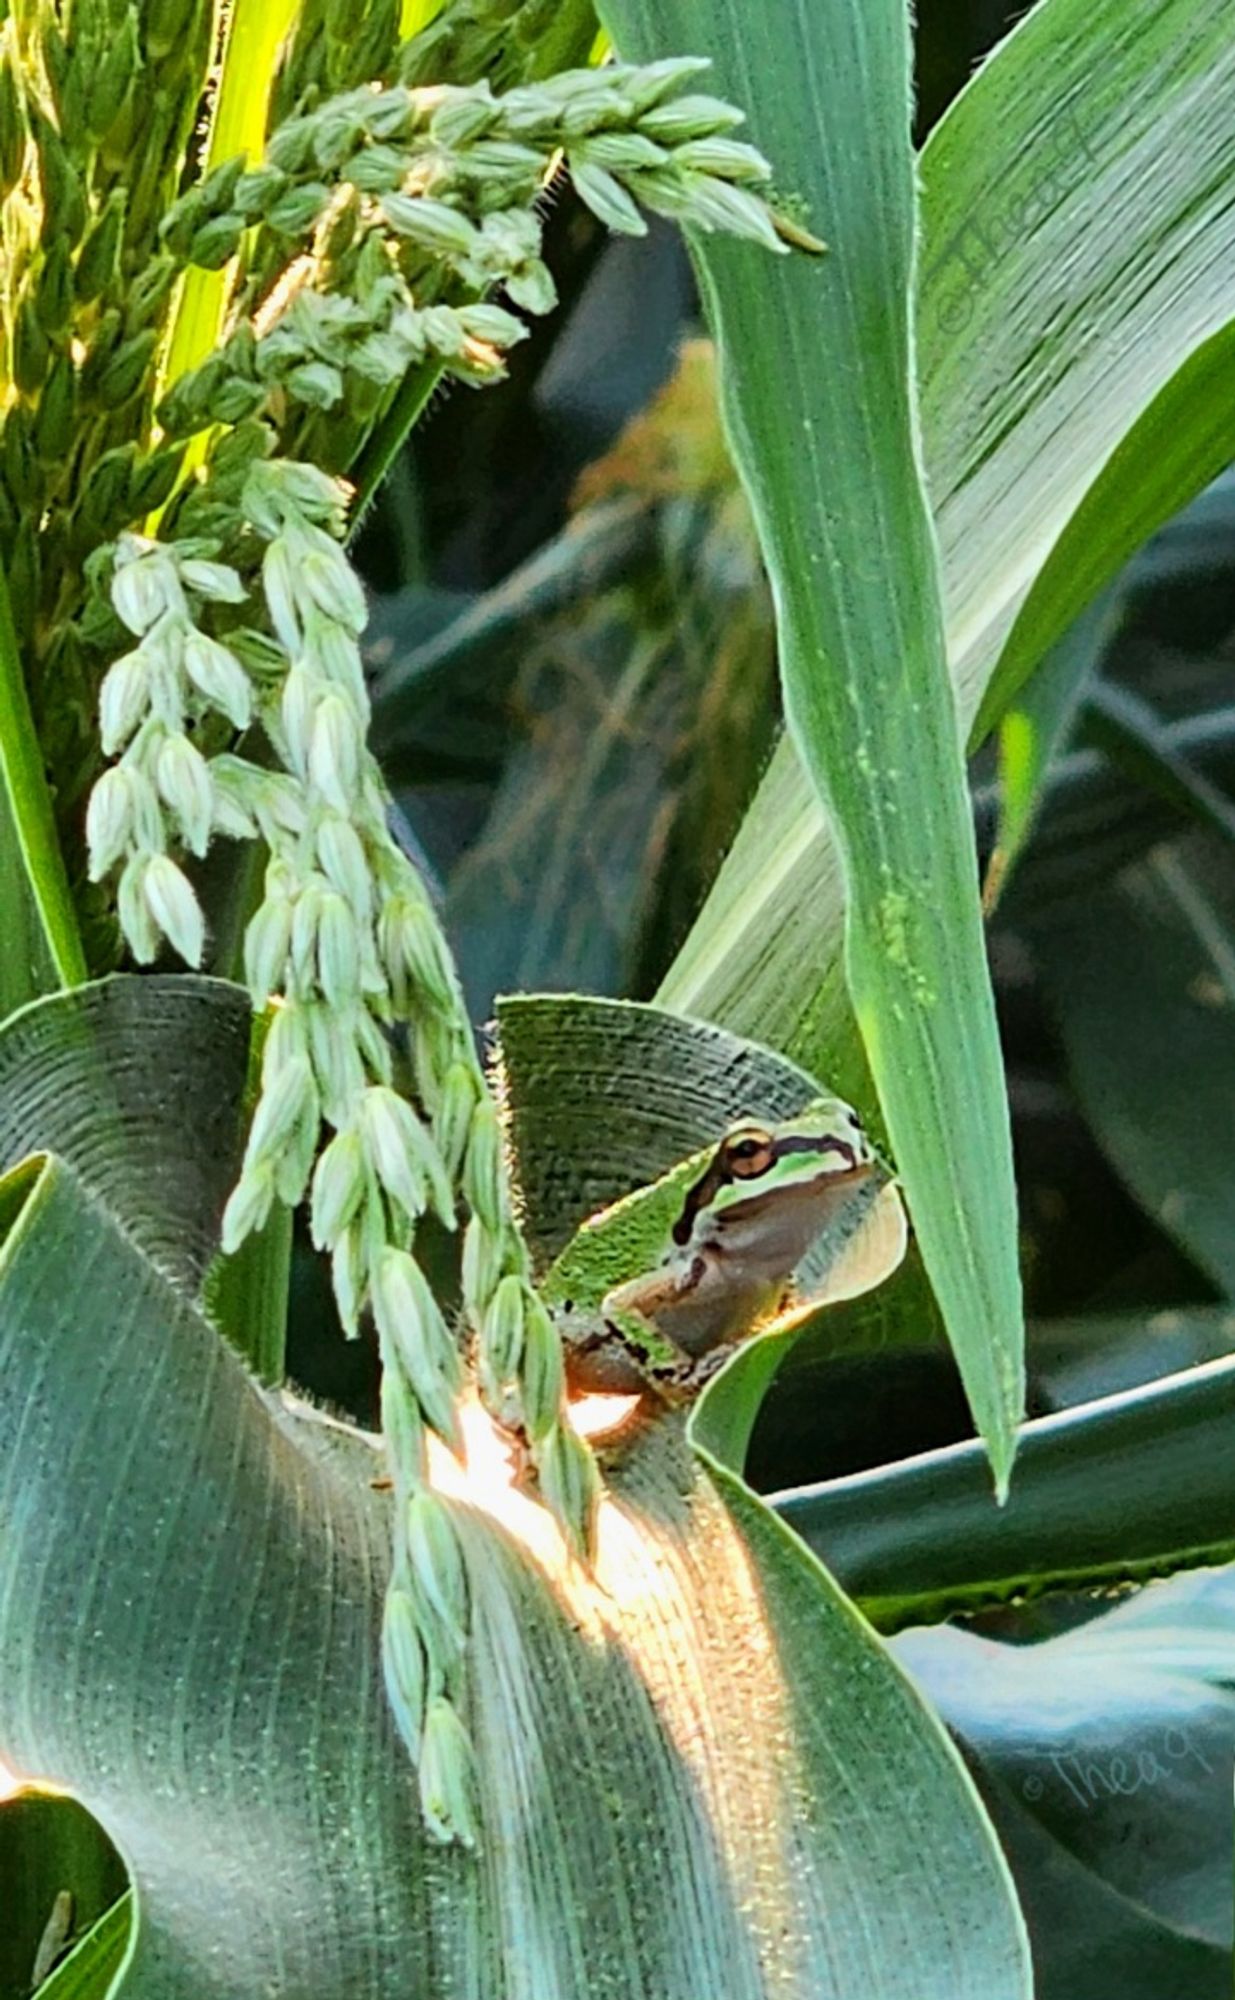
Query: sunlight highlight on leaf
x: 255, y: 31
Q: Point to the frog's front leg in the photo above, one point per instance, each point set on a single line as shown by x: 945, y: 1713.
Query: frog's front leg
x: 628, y: 1360
x: 620, y: 1348
x: 680, y: 1382
x: 666, y: 1332
x: 622, y: 1355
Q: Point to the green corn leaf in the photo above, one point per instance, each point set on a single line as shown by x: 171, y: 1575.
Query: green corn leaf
x: 60, y: 1875
x: 89, y: 1971
x: 254, y: 33
x: 1071, y: 300
x: 190, y: 1598
x: 101, y: 1046
x: 42, y: 947
x: 1127, y: 1487
x: 1104, y: 1754
x: 822, y: 421
x: 99, y: 1078
x: 1182, y: 438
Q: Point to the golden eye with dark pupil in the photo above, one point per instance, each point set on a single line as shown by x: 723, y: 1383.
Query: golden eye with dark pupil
x: 748, y: 1157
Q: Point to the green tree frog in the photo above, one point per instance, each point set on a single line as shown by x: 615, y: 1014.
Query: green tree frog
x: 732, y: 1226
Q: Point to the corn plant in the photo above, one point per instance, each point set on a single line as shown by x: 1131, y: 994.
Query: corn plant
x: 473, y: 1707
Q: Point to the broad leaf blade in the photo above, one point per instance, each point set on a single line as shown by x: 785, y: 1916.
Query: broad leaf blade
x: 190, y: 1597
x: 1180, y: 440
x: 827, y: 451
x: 143, y: 1668
x: 1105, y: 1756
x: 1118, y: 1489
x: 137, y: 1083
x: 99, y: 1077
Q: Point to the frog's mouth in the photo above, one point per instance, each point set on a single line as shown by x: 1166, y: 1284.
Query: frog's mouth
x: 774, y: 1230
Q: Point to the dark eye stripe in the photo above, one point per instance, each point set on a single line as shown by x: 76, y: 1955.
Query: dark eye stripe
x: 696, y: 1198
x: 717, y: 1175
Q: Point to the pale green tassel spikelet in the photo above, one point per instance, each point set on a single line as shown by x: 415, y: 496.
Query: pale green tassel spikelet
x: 370, y: 237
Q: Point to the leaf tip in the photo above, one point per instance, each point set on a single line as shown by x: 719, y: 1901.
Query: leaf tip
x: 1001, y: 1454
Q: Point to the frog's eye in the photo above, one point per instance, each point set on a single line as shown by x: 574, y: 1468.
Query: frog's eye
x: 749, y: 1155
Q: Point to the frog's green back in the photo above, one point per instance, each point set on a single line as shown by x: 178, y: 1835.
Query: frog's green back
x: 622, y: 1241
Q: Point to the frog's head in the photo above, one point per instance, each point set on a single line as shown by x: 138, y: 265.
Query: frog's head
x: 769, y: 1190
